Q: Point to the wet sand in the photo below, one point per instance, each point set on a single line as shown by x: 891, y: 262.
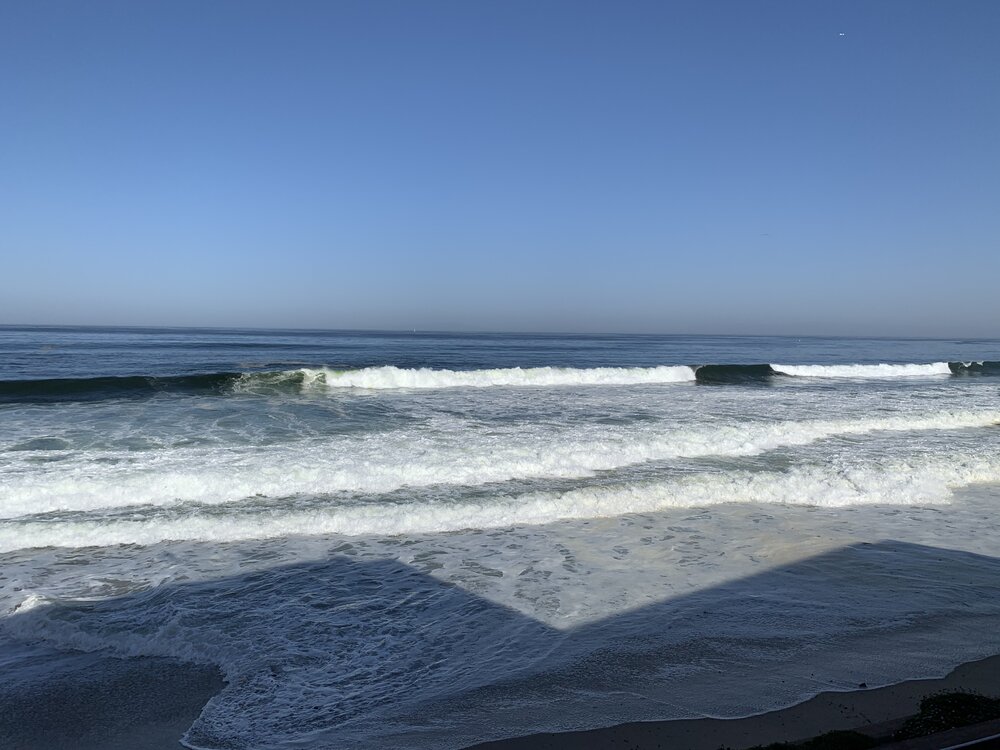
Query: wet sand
x: 99, y: 703
x: 875, y: 709
x: 88, y: 702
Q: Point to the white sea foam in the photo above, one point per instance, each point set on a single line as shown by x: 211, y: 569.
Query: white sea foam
x: 904, y: 483
x: 378, y: 463
x: 864, y: 371
x: 338, y: 649
x: 382, y: 378
x: 30, y: 602
x: 391, y: 378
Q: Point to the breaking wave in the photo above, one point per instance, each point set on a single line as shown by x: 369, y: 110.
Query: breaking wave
x: 864, y: 371
x: 919, y: 482
x: 396, y: 460
x: 390, y: 377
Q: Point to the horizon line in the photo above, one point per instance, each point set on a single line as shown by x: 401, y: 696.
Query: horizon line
x: 478, y: 332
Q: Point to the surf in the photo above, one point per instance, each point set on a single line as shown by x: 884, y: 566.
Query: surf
x: 392, y: 377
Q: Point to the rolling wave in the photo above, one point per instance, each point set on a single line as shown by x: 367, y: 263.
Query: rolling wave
x: 97, y: 389
x: 864, y: 371
x: 733, y: 374
x: 929, y: 481
x: 389, y: 377
x: 397, y: 460
x: 975, y: 368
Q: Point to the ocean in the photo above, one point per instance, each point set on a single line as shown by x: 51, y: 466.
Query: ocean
x: 428, y: 540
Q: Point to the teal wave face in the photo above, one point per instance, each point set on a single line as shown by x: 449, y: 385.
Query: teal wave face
x: 975, y: 368
x: 731, y: 374
x: 98, y: 389
x: 54, y: 390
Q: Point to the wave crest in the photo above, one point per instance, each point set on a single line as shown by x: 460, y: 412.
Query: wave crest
x: 390, y: 377
x: 396, y: 460
x: 864, y: 371
x: 912, y: 483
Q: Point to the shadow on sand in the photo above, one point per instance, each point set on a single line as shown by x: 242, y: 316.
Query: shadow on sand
x: 346, y: 653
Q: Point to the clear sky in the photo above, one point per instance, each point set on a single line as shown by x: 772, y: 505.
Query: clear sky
x: 699, y: 167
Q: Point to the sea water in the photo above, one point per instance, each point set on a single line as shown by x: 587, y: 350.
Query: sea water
x: 421, y: 540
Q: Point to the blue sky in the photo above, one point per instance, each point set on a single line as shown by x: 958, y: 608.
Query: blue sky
x: 718, y: 167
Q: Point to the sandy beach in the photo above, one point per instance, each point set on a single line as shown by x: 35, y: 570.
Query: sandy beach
x: 90, y: 702
x: 860, y: 709
x: 148, y: 704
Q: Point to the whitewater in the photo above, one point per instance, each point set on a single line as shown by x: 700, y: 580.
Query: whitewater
x: 377, y: 537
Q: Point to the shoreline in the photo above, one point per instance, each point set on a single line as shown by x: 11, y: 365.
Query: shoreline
x: 861, y: 709
x: 149, y: 704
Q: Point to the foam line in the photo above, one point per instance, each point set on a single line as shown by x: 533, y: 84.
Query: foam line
x: 864, y: 371
x: 391, y: 461
x: 389, y: 377
x: 928, y: 482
